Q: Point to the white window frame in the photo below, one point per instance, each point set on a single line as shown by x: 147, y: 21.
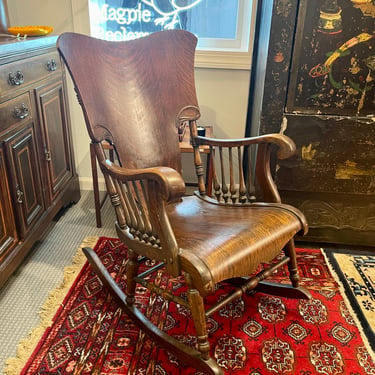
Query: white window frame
x: 231, y: 54
x: 221, y: 55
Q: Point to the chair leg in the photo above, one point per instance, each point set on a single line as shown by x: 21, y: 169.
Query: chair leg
x: 290, y: 291
x: 277, y: 289
x: 290, y: 251
x: 95, y: 181
x: 187, y: 354
x: 131, y: 272
x: 95, y: 186
x: 199, y: 318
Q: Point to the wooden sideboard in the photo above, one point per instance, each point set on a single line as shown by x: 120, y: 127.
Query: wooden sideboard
x: 37, y: 169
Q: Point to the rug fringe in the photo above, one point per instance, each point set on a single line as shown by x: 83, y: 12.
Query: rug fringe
x: 48, y: 310
x: 349, y: 306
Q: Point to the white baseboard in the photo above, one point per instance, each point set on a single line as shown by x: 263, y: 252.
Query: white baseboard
x: 85, y: 183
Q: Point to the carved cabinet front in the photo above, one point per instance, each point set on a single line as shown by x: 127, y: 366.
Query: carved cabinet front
x: 25, y: 183
x: 8, y: 233
x: 37, y: 175
x: 55, y: 151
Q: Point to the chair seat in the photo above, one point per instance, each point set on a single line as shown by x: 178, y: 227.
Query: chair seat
x: 213, y: 250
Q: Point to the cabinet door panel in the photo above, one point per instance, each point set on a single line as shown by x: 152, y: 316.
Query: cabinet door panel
x: 55, y: 140
x: 26, y: 184
x: 8, y: 234
x: 319, y: 90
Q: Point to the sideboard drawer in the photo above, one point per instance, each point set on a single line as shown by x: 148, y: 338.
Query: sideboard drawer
x: 24, y: 72
x: 14, y: 111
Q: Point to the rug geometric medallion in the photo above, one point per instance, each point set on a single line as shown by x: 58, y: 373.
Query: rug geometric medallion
x: 257, y: 334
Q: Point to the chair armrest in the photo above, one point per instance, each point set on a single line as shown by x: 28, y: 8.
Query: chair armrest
x: 140, y: 198
x: 171, y: 183
x: 286, y: 146
x: 232, y: 182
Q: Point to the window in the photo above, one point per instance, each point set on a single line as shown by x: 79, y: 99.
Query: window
x: 223, y: 28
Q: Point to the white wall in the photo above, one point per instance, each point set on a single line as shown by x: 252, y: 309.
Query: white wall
x: 222, y: 93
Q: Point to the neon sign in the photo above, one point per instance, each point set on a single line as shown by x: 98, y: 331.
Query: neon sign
x: 132, y: 23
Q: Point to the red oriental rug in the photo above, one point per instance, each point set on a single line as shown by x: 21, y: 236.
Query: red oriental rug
x: 89, y: 334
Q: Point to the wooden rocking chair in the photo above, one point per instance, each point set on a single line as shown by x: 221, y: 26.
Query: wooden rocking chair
x: 135, y: 95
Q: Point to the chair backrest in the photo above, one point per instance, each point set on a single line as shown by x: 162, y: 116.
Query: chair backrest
x: 131, y: 90
x: 135, y: 94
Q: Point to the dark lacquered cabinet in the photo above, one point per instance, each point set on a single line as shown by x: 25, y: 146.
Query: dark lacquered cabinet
x: 314, y: 78
x: 37, y: 173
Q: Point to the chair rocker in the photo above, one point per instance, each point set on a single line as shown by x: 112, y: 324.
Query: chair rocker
x: 135, y: 95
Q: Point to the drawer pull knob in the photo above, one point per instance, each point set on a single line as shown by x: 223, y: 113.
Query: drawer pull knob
x: 15, y: 79
x: 21, y: 112
x: 19, y: 194
x: 51, y: 65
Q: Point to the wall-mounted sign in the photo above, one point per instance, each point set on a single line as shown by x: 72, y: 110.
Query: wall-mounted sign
x: 125, y: 20
x: 222, y: 26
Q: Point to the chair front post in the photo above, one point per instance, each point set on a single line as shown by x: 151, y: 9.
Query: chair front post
x: 199, y: 317
x: 199, y: 170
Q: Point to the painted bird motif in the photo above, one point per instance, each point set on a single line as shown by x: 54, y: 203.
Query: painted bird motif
x: 170, y: 17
